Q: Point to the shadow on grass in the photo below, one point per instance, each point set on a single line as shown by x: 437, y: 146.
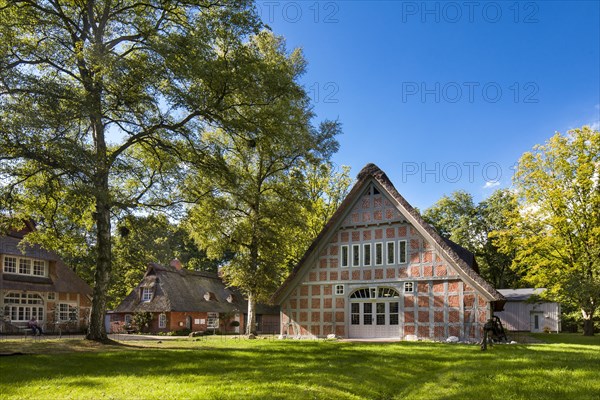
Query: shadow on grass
x: 293, y: 369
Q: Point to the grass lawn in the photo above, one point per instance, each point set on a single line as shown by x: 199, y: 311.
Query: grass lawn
x: 216, y: 368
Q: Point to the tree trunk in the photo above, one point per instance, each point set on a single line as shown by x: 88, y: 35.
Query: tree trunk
x: 97, y: 330
x: 251, y: 324
x: 588, y: 323
x: 102, y: 216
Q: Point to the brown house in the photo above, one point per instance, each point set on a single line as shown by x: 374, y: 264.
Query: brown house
x: 35, y: 283
x: 182, y: 299
x: 377, y: 270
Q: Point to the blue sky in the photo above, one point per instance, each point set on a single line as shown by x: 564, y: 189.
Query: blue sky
x: 443, y: 95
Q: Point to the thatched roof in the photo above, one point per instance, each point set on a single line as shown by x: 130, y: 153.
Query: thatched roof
x: 461, y: 259
x: 61, y: 278
x: 183, y: 290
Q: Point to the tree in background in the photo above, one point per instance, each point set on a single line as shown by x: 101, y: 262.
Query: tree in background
x: 472, y: 226
x: 94, y: 96
x: 324, y: 190
x: 140, y: 240
x: 555, y: 231
x: 251, y: 188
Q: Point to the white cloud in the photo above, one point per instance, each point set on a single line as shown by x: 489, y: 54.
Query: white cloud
x: 491, y: 184
x: 595, y: 125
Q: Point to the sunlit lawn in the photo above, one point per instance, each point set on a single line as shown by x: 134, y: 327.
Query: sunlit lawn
x: 271, y: 369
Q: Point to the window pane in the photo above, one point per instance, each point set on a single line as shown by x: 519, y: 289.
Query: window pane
x: 367, y: 254
x: 367, y: 314
x: 39, y: 268
x: 378, y: 253
x: 390, y: 252
x: 355, y: 320
x: 380, y: 308
x: 393, y: 307
x: 25, y: 266
x: 402, y: 251
x: 344, y: 251
x: 393, y: 319
x: 355, y: 255
x: 10, y: 264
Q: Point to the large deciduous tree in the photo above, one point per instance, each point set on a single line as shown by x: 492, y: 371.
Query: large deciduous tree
x: 252, y: 186
x: 91, y: 92
x: 556, y: 229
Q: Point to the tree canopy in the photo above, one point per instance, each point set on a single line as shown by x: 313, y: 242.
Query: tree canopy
x: 555, y: 231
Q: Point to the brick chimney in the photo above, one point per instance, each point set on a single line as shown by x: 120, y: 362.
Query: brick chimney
x: 175, y: 263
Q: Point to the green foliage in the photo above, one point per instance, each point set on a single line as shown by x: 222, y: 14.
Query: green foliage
x: 472, y: 226
x: 555, y: 231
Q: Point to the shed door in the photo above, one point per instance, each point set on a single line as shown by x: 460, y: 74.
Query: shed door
x: 537, y: 322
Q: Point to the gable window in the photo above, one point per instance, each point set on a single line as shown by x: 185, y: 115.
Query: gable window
x: 378, y: 253
x: 402, y: 251
x: 391, y: 252
x: 51, y: 296
x: 24, y: 266
x: 367, y: 254
x: 39, y: 267
x: 355, y: 255
x: 344, y: 256
x: 339, y: 290
x: 162, y: 321
x: 10, y: 265
x: 409, y: 287
x: 146, y: 294
x: 208, y: 296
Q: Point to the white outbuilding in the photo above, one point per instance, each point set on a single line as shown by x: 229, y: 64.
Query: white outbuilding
x: 524, y: 311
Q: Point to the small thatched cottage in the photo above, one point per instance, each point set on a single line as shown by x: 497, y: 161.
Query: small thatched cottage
x: 181, y: 299
x: 35, y: 283
x: 377, y: 270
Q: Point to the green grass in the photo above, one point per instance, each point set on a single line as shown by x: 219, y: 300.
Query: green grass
x: 271, y: 369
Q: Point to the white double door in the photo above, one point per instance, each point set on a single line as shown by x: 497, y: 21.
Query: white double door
x: 374, y: 319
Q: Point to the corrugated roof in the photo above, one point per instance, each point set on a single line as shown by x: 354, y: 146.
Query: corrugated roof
x: 462, y: 260
x: 520, y: 294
